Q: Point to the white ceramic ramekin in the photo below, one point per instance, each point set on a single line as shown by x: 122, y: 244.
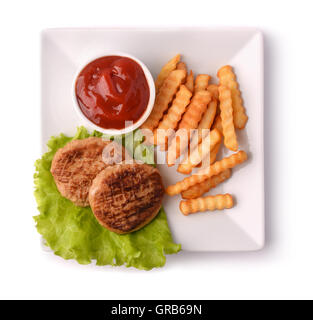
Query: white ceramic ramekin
x: 135, y: 125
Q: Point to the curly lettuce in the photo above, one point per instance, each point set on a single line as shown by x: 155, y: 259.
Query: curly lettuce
x: 73, y: 232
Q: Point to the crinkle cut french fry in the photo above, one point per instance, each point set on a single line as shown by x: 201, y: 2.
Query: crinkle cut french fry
x: 211, y: 158
x: 209, y: 115
x: 218, y: 124
x: 164, y: 97
x: 202, y: 82
x: 200, y: 152
x: 206, y: 121
x: 213, y: 170
x: 189, y: 121
x: 165, y: 71
x: 217, y: 202
x: 214, y: 152
x: 199, y: 189
x: 228, y: 78
x: 230, y: 139
x: 190, y: 81
x: 181, y: 66
x: 195, y: 110
x: 173, y: 116
x: 213, y: 88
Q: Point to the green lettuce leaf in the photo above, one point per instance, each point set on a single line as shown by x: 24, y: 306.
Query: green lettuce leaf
x: 74, y: 233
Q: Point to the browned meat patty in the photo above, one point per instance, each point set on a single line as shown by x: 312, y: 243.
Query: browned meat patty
x: 126, y: 197
x: 76, y: 165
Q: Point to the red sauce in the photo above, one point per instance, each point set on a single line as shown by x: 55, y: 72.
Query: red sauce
x: 112, y: 90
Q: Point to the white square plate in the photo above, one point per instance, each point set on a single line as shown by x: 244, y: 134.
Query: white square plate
x: 204, y: 50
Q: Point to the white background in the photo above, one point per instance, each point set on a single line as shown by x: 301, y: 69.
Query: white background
x: 284, y: 269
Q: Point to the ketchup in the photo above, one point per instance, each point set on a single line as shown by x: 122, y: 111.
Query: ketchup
x: 111, y: 90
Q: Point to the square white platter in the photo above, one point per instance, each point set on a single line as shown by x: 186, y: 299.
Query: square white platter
x: 204, y: 50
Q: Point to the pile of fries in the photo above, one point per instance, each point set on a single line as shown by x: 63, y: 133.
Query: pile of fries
x: 191, y: 118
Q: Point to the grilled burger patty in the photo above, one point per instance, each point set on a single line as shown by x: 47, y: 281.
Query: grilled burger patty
x: 76, y: 165
x: 126, y: 197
